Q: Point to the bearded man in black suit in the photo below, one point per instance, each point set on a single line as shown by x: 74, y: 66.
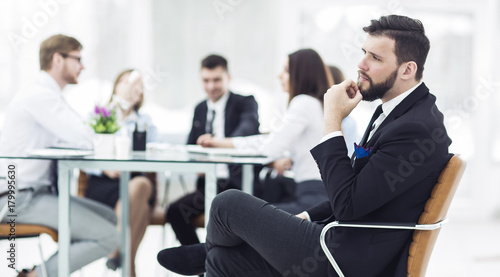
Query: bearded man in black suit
x: 389, y: 179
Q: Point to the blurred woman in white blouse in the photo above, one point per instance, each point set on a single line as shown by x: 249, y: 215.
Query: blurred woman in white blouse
x: 306, y: 78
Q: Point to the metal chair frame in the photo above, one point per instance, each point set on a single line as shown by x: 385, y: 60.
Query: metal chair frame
x: 322, y: 237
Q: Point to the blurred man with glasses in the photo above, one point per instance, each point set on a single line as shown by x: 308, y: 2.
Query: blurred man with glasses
x: 42, y: 118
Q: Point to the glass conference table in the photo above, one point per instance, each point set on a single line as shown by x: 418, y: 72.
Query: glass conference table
x: 175, y: 160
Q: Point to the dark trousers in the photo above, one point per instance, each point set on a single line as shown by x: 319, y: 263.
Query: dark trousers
x: 248, y: 237
x: 307, y: 194
x: 181, y: 213
x: 277, y: 189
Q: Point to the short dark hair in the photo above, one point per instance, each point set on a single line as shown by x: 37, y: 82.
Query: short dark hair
x: 56, y: 44
x: 213, y: 61
x: 308, y: 74
x: 411, y: 44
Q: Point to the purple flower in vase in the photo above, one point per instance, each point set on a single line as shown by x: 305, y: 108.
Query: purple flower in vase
x: 105, y: 112
x: 104, y: 120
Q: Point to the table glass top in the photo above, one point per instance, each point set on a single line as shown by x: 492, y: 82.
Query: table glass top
x: 154, y: 153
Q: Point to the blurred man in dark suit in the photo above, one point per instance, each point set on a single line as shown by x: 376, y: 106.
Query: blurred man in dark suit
x: 223, y: 114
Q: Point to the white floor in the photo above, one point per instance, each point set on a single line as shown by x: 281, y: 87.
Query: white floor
x: 462, y: 250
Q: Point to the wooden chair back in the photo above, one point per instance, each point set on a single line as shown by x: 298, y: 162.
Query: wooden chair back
x: 435, y: 210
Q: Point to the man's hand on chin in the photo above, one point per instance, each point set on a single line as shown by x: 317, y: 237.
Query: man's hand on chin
x: 339, y: 101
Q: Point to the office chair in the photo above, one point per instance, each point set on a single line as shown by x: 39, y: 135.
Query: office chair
x: 426, y: 231
x: 30, y: 231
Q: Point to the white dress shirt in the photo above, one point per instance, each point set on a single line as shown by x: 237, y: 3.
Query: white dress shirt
x: 39, y: 119
x: 301, y: 129
x: 220, y: 112
x: 218, y: 126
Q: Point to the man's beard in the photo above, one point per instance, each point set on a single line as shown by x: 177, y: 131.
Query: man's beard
x: 68, y: 78
x: 377, y: 91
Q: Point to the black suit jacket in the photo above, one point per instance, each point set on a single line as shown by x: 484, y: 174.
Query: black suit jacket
x: 241, y: 119
x: 392, y: 184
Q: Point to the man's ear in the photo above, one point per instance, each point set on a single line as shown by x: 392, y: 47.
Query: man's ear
x: 409, y: 70
x: 57, y: 59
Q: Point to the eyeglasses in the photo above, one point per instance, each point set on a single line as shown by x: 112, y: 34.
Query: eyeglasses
x: 79, y: 59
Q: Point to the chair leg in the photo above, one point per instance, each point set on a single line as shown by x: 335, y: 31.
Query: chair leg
x: 164, y: 272
x: 183, y: 184
x: 163, y: 244
x: 44, y: 267
x: 164, y: 206
x: 322, y: 242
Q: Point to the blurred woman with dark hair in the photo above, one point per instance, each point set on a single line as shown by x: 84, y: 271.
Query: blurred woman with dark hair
x: 338, y: 76
x: 306, y: 78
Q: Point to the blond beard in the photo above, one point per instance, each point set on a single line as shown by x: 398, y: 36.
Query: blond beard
x: 68, y: 78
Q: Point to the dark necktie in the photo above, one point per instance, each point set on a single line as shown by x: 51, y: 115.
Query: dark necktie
x: 370, y: 126
x: 209, y: 127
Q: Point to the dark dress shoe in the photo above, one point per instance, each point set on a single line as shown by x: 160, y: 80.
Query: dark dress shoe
x: 24, y: 272
x: 114, y: 263
x: 184, y: 260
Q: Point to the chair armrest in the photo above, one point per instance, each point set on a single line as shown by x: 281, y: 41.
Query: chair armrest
x: 424, y: 227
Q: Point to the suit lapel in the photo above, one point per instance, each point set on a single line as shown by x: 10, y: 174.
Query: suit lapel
x: 227, y: 114
x: 202, y: 116
x: 401, y: 108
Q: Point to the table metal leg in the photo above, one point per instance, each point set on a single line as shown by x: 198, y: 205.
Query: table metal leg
x: 210, y: 189
x: 64, y: 230
x: 247, y: 179
x: 64, y: 200
x: 125, y: 229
